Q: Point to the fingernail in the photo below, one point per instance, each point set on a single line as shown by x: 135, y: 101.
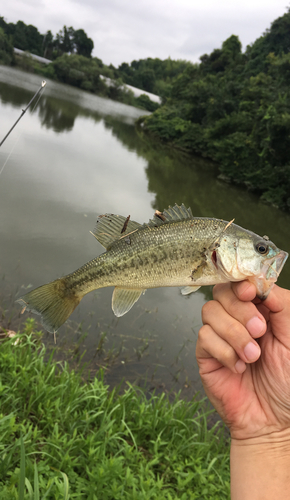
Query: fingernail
x: 240, y: 366
x: 252, y: 351
x: 255, y: 326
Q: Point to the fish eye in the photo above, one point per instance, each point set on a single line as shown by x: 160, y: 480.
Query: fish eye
x: 262, y: 247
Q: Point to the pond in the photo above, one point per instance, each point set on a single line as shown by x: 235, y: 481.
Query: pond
x: 75, y: 156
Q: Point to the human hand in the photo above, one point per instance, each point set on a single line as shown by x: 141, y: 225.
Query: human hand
x: 243, y: 352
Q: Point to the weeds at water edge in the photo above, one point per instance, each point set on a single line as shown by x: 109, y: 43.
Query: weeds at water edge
x: 63, y: 438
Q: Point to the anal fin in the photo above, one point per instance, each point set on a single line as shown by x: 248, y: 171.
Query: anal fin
x: 189, y: 289
x: 123, y: 299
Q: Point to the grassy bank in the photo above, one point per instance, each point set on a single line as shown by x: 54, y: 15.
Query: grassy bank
x: 62, y: 437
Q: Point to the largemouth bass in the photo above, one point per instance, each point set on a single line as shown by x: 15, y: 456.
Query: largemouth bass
x: 172, y: 249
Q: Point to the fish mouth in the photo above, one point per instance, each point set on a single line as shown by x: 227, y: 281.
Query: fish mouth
x: 270, y: 271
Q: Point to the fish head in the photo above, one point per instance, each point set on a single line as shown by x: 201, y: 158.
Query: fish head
x: 246, y: 255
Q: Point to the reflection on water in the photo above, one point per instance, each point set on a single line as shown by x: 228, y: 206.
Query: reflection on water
x: 82, y: 103
x: 77, y: 156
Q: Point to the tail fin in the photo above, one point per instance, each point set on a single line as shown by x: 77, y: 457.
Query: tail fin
x: 54, y: 302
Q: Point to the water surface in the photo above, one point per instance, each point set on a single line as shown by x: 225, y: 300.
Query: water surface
x: 76, y: 156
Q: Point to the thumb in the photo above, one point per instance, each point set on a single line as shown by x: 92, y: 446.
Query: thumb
x: 277, y: 305
x: 278, y: 300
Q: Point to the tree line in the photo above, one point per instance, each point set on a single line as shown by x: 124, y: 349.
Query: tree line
x: 151, y: 74
x: 234, y: 108
x: 67, y: 40
x: 70, y: 51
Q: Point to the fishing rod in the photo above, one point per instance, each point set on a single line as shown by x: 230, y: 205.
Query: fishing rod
x: 24, y: 110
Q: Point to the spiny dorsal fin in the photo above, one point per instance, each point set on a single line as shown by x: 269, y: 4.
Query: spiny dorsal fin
x: 110, y: 227
x: 124, y: 298
x: 178, y: 212
x: 170, y: 214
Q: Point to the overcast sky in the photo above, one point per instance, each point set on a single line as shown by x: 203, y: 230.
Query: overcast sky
x: 124, y: 30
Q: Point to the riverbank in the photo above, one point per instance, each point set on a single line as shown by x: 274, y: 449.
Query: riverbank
x: 83, y: 73
x: 234, y: 109
x: 71, y: 437
x: 90, y: 103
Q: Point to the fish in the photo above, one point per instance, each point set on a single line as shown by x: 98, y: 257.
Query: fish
x: 173, y: 249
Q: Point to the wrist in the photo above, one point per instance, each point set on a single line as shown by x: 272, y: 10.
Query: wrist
x: 260, y: 467
x: 275, y: 441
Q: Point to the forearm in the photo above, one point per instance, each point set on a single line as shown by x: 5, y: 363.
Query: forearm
x: 260, y: 467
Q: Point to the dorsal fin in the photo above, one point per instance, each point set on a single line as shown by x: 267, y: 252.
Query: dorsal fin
x: 110, y: 227
x: 170, y: 214
x: 178, y: 212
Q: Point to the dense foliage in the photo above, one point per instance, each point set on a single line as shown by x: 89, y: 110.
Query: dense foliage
x: 67, y: 40
x: 235, y: 109
x: 6, y: 49
x: 152, y: 75
x: 61, y: 437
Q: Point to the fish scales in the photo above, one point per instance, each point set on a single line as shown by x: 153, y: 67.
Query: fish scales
x: 172, y: 249
x: 157, y: 256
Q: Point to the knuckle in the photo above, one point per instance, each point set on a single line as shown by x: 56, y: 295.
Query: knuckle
x: 234, y: 305
x: 219, y: 289
x: 227, y: 356
x: 234, y: 329
x: 207, y: 309
x: 242, y: 311
x: 203, y: 333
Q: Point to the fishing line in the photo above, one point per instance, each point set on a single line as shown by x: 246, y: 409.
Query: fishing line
x: 12, y: 149
x: 37, y: 94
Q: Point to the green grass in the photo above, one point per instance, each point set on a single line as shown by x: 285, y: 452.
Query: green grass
x: 65, y: 438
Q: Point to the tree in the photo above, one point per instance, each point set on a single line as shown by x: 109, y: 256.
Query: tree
x: 275, y: 40
x: 232, y: 47
x: 3, y: 24
x: 48, y: 45
x: 19, y: 36
x: 147, y: 79
x: 83, y: 45
x: 34, y: 40
x: 64, y: 41
x: 68, y: 40
x: 6, y: 49
x: 278, y: 37
x: 220, y: 59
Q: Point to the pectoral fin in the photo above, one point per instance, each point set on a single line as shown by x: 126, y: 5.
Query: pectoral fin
x: 124, y: 298
x: 189, y: 289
